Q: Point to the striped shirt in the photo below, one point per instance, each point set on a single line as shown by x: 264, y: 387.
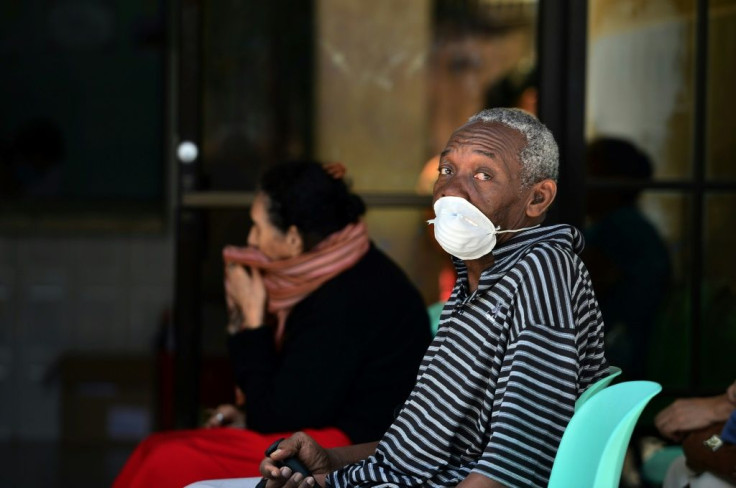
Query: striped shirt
x: 498, y: 384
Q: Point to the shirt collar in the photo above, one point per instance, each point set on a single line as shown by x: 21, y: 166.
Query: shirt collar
x: 508, y: 253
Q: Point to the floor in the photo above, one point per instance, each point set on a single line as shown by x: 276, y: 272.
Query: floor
x: 54, y: 465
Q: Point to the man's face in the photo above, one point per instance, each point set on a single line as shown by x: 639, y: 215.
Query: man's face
x: 481, y: 164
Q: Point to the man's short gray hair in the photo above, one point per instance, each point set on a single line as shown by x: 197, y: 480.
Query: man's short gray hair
x: 540, y: 158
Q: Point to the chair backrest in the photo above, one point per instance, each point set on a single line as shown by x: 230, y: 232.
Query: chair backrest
x: 593, y: 446
x: 434, y: 312
x: 613, y: 371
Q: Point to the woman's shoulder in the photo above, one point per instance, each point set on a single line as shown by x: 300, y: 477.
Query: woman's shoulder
x: 375, y: 279
x: 374, y: 297
x: 377, y: 269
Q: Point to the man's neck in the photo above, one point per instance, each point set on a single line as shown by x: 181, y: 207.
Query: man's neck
x: 475, y: 268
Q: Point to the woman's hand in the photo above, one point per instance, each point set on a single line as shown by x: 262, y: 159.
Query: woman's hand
x: 245, y: 292
x: 226, y: 415
x: 336, y: 170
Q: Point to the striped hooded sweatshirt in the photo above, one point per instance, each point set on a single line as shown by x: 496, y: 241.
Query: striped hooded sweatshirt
x: 498, y: 384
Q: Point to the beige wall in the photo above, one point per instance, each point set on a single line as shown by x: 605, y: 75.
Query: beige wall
x: 371, y: 106
x: 640, y: 82
x: 371, y: 110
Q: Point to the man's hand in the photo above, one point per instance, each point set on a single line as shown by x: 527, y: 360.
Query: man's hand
x: 685, y: 415
x: 245, y: 290
x: 317, y: 460
x: 304, y: 448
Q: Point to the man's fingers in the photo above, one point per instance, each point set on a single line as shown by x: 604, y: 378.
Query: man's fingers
x: 297, y: 480
x: 269, y: 469
x: 282, y: 453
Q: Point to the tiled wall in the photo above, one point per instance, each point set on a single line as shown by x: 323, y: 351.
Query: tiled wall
x: 65, y: 295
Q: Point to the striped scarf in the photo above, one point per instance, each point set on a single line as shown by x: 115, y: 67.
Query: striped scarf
x: 289, y: 281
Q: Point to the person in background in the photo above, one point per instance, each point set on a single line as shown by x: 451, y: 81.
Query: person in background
x: 517, y: 89
x: 317, y: 313
x: 707, y: 429
x: 627, y: 257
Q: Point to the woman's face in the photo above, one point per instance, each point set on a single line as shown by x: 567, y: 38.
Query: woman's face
x: 267, y: 237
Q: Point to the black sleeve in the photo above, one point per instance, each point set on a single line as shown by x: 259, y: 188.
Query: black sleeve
x: 253, y: 355
x: 298, y: 386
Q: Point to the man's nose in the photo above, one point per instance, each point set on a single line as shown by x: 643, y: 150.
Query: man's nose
x: 451, y: 187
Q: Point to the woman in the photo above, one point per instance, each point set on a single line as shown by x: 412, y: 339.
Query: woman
x: 326, y: 334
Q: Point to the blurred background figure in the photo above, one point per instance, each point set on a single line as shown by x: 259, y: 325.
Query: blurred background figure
x: 516, y: 89
x: 627, y: 258
x: 706, y: 427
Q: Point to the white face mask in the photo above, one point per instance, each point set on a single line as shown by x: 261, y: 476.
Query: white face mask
x: 463, y: 230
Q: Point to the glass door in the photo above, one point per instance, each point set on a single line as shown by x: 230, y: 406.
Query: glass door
x: 660, y: 180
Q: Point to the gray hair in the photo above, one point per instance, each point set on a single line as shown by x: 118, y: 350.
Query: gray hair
x: 540, y: 158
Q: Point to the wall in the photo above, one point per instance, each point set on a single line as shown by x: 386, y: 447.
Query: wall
x: 62, y: 295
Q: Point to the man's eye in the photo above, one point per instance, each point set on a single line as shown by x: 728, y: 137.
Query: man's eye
x: 482, y: 176
x: 445, y: 170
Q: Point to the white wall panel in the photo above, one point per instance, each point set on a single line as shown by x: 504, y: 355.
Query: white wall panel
x: 98, y: 261
x: 8, y: 399
x: 38, y: 387
x: 101, y: 318
x: 72, y: 295
x: 151, y: 262
x: 7, y: 305
x: 147, y: 307
x: 43, y: 306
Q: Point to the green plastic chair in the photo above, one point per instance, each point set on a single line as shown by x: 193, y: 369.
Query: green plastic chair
x: 593, y: 446
x: 613, y: 371
x: 654, y: 469
x: 434, y: 312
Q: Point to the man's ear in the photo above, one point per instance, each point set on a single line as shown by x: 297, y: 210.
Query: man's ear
x: 542, y: 196
x: 294, y: 241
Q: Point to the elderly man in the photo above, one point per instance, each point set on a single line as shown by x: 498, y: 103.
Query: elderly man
x: 519, y: 340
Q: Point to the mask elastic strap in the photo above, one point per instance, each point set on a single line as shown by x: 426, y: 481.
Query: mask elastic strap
x: 517, y: 230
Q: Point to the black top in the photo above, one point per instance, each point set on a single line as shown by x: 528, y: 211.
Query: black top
x: 349, y: 358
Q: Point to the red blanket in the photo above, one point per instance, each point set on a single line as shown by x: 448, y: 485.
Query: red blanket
x: 177, y: 458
